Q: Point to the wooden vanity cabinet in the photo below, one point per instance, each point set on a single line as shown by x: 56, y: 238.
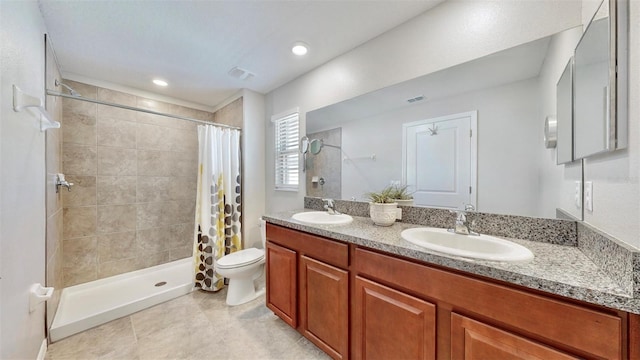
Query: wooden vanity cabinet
x: 308, y: 287
x: 472, y: 339
x: 476, y: 317
x: 390, y: 324
x: 282, y: 283
x: 359, y: 302
x: 324, y: 306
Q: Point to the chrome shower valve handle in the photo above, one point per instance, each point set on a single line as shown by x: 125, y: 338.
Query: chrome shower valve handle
x: 60, y: 181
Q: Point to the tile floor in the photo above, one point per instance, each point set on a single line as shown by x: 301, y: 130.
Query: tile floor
x: 195, y: 326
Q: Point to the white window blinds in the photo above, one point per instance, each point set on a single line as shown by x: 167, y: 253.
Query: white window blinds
x: 287, y: 152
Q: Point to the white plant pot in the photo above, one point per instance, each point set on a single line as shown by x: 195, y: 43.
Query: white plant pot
x: 383, y: 214
x: 405, y: 202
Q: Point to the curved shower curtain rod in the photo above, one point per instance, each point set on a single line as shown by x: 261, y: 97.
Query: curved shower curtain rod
x: 79, y: 97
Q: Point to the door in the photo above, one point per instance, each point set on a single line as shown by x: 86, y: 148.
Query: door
x: 282, y: 283
x: 324, y: 306
x: 471, y: 339
x: 390, y: 324
x: 439, y: 158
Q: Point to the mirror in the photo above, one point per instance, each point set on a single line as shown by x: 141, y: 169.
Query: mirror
x: 511, y: 92
x: 304, y: 145
x: 316, y: 146
x: 564, y: 111
x: 600, y: 94
x: 304, y: 149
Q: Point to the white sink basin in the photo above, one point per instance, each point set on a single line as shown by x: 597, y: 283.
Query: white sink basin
x: 483, y: 247
x: 322, y: 218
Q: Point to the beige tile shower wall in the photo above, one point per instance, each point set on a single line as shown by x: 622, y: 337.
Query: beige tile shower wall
x: 327, y: 165
x: 53, y: 159
x: 231, y: 114
x: 135, y: 174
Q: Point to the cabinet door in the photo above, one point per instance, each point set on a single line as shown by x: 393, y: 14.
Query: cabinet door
x: 471, y: 339
x: 390, y: 324
x: 324, y: 306
x: 282, y: 283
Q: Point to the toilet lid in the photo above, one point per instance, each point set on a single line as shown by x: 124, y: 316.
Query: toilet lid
x: 241, y: 258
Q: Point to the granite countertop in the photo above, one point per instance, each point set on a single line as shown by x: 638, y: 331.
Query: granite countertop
x: 556, y: 269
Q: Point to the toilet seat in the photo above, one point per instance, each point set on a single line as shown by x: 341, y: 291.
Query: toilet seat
x: 240, y: 258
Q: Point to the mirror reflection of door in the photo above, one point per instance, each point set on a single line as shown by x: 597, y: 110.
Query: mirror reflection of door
x: 439, y: 158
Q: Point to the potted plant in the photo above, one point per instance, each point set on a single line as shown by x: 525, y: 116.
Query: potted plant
x: 400, y: 195
x: 382, y: 207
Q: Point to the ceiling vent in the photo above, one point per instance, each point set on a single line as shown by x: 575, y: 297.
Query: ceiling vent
x: 240, y: 73
x: 415, y: 99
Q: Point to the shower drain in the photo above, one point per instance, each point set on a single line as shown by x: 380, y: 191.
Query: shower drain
x: 161, y: 283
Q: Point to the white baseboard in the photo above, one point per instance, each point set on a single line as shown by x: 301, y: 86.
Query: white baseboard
x: 43, y: 350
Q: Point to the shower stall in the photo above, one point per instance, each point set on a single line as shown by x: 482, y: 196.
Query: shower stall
x: 121, y: 239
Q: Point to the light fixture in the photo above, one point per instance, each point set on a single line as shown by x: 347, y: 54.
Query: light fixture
x: 300, y: 48
x: 160, y: 82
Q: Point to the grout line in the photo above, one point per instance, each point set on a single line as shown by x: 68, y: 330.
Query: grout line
x: 133, y: 328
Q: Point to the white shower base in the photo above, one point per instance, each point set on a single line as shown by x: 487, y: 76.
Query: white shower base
x: 97, y: 302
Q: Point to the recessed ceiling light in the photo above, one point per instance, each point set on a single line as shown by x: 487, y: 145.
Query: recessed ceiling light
x: 300, y: 48
x: 160, y: 82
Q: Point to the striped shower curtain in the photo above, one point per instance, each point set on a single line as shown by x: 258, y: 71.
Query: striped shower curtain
x: 218, y: 204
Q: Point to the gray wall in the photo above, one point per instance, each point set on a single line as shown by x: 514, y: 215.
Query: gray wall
x: 22, y: 181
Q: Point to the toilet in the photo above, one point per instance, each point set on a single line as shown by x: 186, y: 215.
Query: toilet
x: 242, y: 268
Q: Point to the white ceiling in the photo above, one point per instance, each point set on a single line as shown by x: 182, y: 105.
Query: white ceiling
x: 194, y: 44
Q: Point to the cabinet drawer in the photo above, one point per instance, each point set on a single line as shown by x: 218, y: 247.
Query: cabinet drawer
x: 472, y: 339
x: 329, y: 251
x: 579, y: 329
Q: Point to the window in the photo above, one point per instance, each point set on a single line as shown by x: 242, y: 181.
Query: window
x: 287, y: 153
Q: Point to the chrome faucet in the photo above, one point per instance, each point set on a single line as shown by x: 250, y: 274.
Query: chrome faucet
x: 61, y: 182
x: 463, y: 223
x: 330, y: 206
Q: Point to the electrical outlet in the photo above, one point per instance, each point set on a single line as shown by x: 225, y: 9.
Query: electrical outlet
x: 578, y: 194
x: 588, y: 195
